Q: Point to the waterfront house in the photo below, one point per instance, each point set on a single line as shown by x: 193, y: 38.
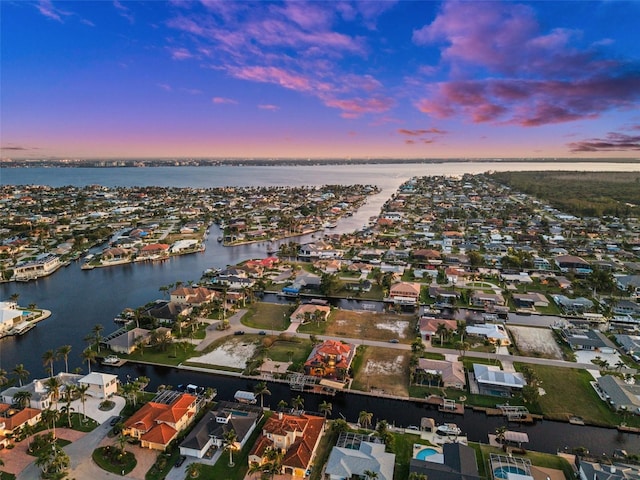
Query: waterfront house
x: 297, y: 435
x: 308, y: 312
x: 572, y: 263
x: 192, y: 295
x: 606, y: 471
x: 43, y: 265
x: 330, y: 359
x: 445, y: 373
x: 494, y: 333
x: 209, y: 432
x: 158, y: 422
x: 530, y: 300
x: 582, y: 339
x: 356, y: 454
x: 573, y: 305
x: 429, y: 326
x: 40, y: 396
x: 101, y: 385
x: 456, y: 462
x: 493, y: 381
x: 405, y: 293
x: 127, y: 341
x: 153, y: 251
x: 9, y: 317
x: 621, y: 396
x: 486, y: 300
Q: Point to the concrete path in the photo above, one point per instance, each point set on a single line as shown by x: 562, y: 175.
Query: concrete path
x: 212, y: 333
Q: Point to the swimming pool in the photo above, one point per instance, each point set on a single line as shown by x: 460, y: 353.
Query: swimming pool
x: 425, y: 452
x: 503, y: 472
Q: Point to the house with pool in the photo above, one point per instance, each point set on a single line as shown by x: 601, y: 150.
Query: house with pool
x: 451, y: 461
x: 355, y: 454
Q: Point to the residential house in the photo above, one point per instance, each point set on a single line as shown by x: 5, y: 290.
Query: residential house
x: 457, y: 462
x: 297, y: 435
x: 353, y: 456
x: 209, y: 432
x: 405, y: 293
x: 40, y: 396
x: 573, y: 305
x: 10, y: 316
x: 43, y: 265
x: 629, y: 284
x: 448, y: 374
x: 582, y: 339
x: 308, y: 312
x: 572, y: 263
x: 157, y: 424
x: 127, y: 341
x: 12, y: 419
x: 493, y: 381
x: 604, y: 471
x: 153, y: 251
x: 429, y: 326
x: 444, y: 296
x: 494, y: 333
x: 620, y: 395
x: 486, y: 300
x: 192, y: 295
x: 101, y: 385
x: 330, y: 359
x: 530, y: 300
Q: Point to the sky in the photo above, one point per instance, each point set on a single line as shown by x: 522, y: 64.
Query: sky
x: 319, y: 79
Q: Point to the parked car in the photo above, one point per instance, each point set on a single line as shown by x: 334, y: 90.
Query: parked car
x: 239, y: 332
x: 262, y: 332
x: 114, y: 421
x: 180, y: 461
x: 394, y: 340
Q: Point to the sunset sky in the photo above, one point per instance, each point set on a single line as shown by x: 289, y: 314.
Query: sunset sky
x: 320, y: 79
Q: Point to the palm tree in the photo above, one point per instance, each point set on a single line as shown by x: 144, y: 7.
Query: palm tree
x: 48, y: 358
x: 89, y: 355
x: 97, y: 335
x: 3, y: 377
x: 53, y: 385
x: 370, y: 474
x: 22, y: 398
x: 297, y: 403
x: 274, y: 457
x: 64, y: 352
x: 66, y: 410
x: 121, y: 442
x: 14, y: 297
x: 229, y: 441
x: 21, y: 372
x: 282, y: 404
x: 326, y: 407
x: 500, y: 434
x: 50, y: 415
x: 254, y: 468
x: 261, y: 390
x: 364, y: 419
x: 82, y: 392
x: 442, y: 331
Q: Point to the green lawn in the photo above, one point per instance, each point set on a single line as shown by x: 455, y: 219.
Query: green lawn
x: 175, y: 354
x: 403, y: 448
x: 268, y: 316
x: 110, y: 459
x: 568, y: 392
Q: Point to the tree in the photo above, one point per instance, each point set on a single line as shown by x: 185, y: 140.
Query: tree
x: 364, y: 419
x: 82, y: 393
x: 89, y: 355
x: 261, y: 390
x: 22, y: 398
x: 462, y: 347
x: 282, y: 404
x: 21, y: 372
x: 64, y: 352
x: 500, y: 434
x: 14, y: 297
x: 50, y: 416
x: 417, y: 476
x: 273, y: 465
x: 53, y: 386
x: 442, y: 331
x: 339, y: 425
x: 370, y: 474
x: 254, y: 468
x: 326, y: 407
x: 3, y: 377
x: 97, y: 335
x: 48, y: 358
x: 229, y: 441
x: 297, y: 403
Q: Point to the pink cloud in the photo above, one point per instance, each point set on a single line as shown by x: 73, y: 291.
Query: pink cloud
x: 355, y: 107
x: 164, y: 86
x: 274, y: 75
x: 46, y: 8
x: 268, y: 107
x: 530, y: 102
x: 419, y: 132
x: 611, y: 143
x: 180, y: 53
x: 223, y: 101
x: 123, y: 11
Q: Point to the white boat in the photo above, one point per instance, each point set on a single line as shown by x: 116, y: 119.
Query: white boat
x: 111, y: 360
x: 448, y: 429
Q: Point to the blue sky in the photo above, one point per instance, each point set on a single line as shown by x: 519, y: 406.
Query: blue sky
x: 320, y: 79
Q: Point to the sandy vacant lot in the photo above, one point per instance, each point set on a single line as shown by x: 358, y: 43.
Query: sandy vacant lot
x: 233, y: 353
x: 369, y: 325
x: 538, y: 342
x: 384, y: 369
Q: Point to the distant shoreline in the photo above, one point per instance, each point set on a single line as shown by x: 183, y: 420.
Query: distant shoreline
x: 253, y: 162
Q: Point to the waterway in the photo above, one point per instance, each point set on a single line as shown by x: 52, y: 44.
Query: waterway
x: 80, y: 299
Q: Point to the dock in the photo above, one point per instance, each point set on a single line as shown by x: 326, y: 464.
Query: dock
x: 446, y: 405
x: 113, y: 363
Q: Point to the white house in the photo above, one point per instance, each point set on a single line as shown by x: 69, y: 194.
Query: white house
x: 101, y: 385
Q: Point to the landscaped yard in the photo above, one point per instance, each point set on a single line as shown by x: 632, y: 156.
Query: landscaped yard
x: 385, y: 369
